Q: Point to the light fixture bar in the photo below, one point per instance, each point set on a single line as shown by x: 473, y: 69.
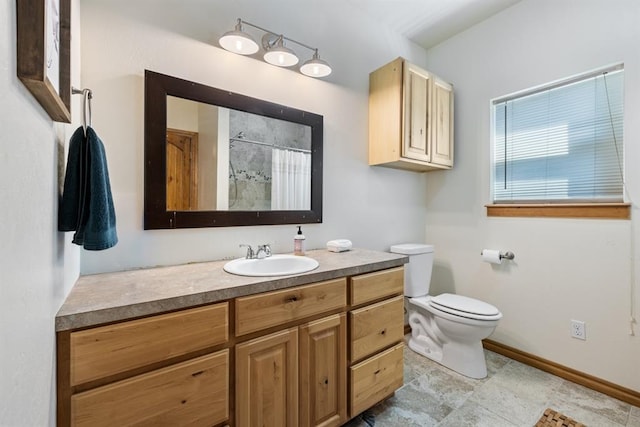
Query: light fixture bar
x: 277, y: 35
x: 238, y: 41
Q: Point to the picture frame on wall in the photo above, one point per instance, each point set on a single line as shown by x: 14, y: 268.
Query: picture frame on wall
x: 44, y: 53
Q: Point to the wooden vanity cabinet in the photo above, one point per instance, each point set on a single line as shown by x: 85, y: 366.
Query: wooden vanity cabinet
x: 311, y: 355
x: 410, y: 118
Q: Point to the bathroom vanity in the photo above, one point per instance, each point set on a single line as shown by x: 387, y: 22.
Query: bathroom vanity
x: 194, y: 345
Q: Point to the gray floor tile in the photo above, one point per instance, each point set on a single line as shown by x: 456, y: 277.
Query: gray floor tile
x: 527, y: 382
x: 474, y: 415
x: 634, y: 417
x: 415, y: 365
x: 445, y: 387
x: 592, y: 402
x: 524, y: 410
x: 513, y: 394
x: 408, y: 408
x: 495, y: 362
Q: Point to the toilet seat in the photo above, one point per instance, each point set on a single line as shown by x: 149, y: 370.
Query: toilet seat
x: 461, y: 306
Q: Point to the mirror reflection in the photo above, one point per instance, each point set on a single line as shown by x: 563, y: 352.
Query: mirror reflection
x: 223, y: 159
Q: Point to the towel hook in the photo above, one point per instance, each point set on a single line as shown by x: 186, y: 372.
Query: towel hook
x: 86, y: 106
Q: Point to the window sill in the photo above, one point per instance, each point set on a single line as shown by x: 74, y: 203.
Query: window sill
x: 577, y: 210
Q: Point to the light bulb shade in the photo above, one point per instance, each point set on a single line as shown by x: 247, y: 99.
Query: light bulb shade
x: 281, y: 55
x: 315, y: 67
x: 237, y: 41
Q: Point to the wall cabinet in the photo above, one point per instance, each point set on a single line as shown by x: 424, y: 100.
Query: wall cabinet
x: 410, y: 118
x: 311, y: 355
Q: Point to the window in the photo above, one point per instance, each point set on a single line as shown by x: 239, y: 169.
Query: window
x: 562, y: 143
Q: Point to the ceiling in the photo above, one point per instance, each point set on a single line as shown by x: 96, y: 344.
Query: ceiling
x: 429, y: 22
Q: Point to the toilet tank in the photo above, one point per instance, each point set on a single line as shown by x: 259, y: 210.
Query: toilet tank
x: 417, y: 275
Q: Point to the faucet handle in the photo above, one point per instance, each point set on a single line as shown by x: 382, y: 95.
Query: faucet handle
x: 250, y: 253
x: 265, y: 248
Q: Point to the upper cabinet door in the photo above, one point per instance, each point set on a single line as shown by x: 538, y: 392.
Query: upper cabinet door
x: 416, y: 124
x: 442, y: 123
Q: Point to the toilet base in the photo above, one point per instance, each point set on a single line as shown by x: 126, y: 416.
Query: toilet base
x: 465, y: 358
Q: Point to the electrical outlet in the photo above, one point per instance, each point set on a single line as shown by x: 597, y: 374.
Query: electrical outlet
x: 578, y: 330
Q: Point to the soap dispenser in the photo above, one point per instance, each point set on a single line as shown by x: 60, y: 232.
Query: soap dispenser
x: 298, y: 242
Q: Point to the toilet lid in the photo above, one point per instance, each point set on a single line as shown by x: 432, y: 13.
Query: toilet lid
x: 461, y: 305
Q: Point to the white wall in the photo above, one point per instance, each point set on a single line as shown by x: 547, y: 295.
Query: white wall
x: 564, y: 269
x: 375, y: 207
x: 38, y: 265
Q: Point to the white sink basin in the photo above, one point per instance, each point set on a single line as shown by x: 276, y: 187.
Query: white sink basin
x: 275, y: 265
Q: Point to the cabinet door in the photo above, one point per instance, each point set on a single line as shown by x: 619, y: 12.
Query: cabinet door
x: 323, y: 369
x: 415, y: 143
x: 442, y: 123
x: 267, y: 380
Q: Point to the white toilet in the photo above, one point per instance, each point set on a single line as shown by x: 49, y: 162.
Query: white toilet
x: 446, y: 328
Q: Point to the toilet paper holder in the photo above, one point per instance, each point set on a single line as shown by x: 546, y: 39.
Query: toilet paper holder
x: 505, y: 255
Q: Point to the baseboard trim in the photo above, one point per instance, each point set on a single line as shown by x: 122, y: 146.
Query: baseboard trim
x: 589, y: 381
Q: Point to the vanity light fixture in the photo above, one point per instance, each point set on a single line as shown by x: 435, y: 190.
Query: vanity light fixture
x: 278, y: 54
x: 315, y: 67
x: 237, y: 41
x: 275, y: 51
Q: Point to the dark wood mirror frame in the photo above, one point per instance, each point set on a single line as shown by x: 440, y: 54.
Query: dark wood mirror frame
x: 156, y: 216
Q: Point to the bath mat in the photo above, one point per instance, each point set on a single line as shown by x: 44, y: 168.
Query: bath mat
x: 552, y: 418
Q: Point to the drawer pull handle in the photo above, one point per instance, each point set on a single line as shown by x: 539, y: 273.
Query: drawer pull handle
x: 384, y: 331
x: 326, y: 381
x: 292, y: 299
x: 376, y: 372
x: 195, y: 374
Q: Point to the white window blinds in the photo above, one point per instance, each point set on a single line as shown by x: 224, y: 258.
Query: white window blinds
x: 562, y: 143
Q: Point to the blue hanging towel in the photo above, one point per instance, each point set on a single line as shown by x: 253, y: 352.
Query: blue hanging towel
x: 87, y: 206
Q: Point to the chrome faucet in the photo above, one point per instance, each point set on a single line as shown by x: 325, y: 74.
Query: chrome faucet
x: 250, y: 253
x: 263, y: 251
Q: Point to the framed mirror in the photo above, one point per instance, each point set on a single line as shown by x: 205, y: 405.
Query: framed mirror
x: 215, y: 158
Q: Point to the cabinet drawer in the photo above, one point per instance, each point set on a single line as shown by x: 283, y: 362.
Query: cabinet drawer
x: 376, y: 326
x: 191, y: 393
x: 262, y: 311
x: 375, y: 378
x: 372, y: 286
x: 99, y: 352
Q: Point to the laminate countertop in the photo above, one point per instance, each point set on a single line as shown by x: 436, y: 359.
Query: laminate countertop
x: 111, y: 297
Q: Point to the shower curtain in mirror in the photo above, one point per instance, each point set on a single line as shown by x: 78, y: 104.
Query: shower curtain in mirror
x: 291, y: 180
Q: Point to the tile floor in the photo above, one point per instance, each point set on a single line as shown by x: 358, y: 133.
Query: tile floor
x: 513, y: 394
